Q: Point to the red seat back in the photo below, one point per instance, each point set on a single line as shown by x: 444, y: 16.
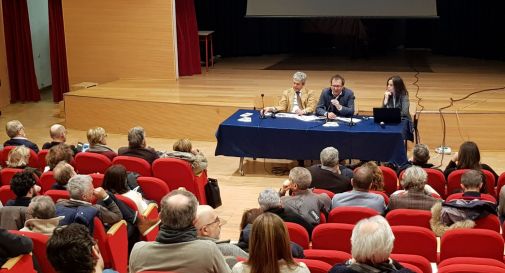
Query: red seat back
x: 471, y: 260
x: 327, y: 256
x: 436, y: 180
x: 178, y: 173
x: 315, y: 266
x: 420, y: 262
x: 32, y: 162
x: 153, y: 188
x: 6, y: 175
x: 20, y: 264
x: 332, y: 236
x: 298, y: 234
x: 350, y: 215
x: 97, y: 179
x: 415, y: 241
x: 57, y: 194
x: 490, y: 222
x: 134, y: 164
x: 470, y: 268
x: 39, y: 249
x: 42, y: 159
x: 501, y: 182
x: 384, y: 195
x: 319, y: 191
x: 6, y: 194
x: 87, y: 162
x: 46, y: 181
x: 464, y: 242
x: 127, y: 201
x: 409, y: 217
x: 390, y: 180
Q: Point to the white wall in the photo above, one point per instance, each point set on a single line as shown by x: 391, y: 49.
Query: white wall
x: 39, y: 25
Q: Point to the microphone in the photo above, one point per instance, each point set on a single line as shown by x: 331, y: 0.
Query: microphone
x: 327, y: 118
x: 262, y: 111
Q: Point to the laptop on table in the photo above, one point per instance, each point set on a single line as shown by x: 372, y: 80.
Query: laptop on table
x: 387, y: 115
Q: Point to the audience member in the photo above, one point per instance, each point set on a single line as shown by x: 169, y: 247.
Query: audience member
x: 371, y: 245
x: 24, y: 187
x: 58, y: 135
x: 17, y: 135
x: 80, y: 208
x: 62, y: 172
x: 360, y: 195
x: 19, y: 158
x: 397, y: 96
x: 137, y: 146
x: 208, y: 227
x: 377, y: 176
x: 57, y: 153
x: 12, y: 245
x: 414, y: 195
x: 328, y: 175
x: 468, y: 157
x: 43, y: 216
x: 72, y: 249
x: 269, y: 251
x: 336, y: 100
x: 298, y: 99
x: 421, y: 155
x: 176, y: 247
x: 115, y: 181
x: 471, y: 183
x: 303, y: 201
x: 183, y: 149
x: 97, y: 139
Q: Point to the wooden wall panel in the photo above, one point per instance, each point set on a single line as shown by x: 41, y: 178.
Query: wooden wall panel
x: 108, y: 40
x: 4, y: 73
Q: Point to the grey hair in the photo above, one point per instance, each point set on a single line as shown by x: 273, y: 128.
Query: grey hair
x: 372, y: 240
x: 414, y: 178
x: 178, y: 210
x: 42, y: 207
x: 300, y: 77
x: 301, y: 177
x: 136, y: 136
x: 268, y: 199
x: 57, y: 130
x: 13, y: 127
x: 79, y: 185
x: 471, y: 179
x: 421, y: 153
x: 329, y: 157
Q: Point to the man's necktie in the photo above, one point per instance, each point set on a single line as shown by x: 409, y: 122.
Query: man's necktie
x: 299, y: 100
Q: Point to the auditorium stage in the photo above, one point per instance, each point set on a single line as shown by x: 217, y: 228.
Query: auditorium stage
x: 194, y: 106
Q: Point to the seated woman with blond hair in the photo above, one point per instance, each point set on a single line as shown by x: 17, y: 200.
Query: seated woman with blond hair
x: 269, y: 249
x: 183, y: 149
x: 97, y: 139
x: 19, y: 157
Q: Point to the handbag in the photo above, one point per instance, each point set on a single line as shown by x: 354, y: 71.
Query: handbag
x: 212, y: 193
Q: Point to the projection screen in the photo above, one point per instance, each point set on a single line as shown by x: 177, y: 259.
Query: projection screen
x: 342, y: 8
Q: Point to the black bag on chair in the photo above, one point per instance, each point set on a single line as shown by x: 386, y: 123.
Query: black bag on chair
x: 212, y: 193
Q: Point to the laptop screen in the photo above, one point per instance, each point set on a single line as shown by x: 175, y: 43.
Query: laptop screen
x: 387, y: 115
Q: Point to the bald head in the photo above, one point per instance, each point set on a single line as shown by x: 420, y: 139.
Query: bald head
x: 178, y: 210
x: 207, y: 222
x: 362, y: 179
x: 58, y: 133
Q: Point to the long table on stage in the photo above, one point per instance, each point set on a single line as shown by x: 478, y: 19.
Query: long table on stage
x: 290, y: 138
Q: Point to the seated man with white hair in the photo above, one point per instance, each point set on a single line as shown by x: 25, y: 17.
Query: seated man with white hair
x: 297, y: 99
x: 330, y: 175
x: 414, y: 196
x: 43, y: 216
x: 371, y: 245
x: 16, y: 132
x: 303, y: 201
x: 208, y: 227
x: 58, y: 134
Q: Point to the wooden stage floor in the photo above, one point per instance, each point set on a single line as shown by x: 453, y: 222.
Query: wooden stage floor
x: 165, y: 108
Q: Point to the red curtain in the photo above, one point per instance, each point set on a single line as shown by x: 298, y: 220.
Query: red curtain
x: 59, y: 71
x: 188, y: 47
x: 18, y: 44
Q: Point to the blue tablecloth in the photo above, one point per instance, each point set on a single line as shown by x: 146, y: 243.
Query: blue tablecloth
x: 290, y: 138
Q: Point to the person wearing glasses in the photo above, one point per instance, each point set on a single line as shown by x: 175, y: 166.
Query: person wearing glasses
x: 298, y: 99
x: 336, y: 100
x: 208, y: 227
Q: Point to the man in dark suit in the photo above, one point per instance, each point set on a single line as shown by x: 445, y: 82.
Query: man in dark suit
x: 137, y: 146
x: 336, y: 100
x: 329, y: 175
x: 16, y: 132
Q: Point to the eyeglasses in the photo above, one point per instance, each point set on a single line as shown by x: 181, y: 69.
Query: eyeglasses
x: 218, y: 221
x: 336, y: 86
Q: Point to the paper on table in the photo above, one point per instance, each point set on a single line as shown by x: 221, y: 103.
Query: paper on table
x: 355, y: 120
x: 245, y: 119
x: 330, y: 124
x: 248, y: 114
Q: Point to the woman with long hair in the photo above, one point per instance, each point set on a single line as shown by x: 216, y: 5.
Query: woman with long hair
x: 397, y: 96
x: 269, y: 248
x: 115, y: 181
x: 468, y: 157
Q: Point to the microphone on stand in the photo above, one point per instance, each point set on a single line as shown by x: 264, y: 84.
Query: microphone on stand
x: 262, y: 111
x: 352, y: 123
x: 327, y: 118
